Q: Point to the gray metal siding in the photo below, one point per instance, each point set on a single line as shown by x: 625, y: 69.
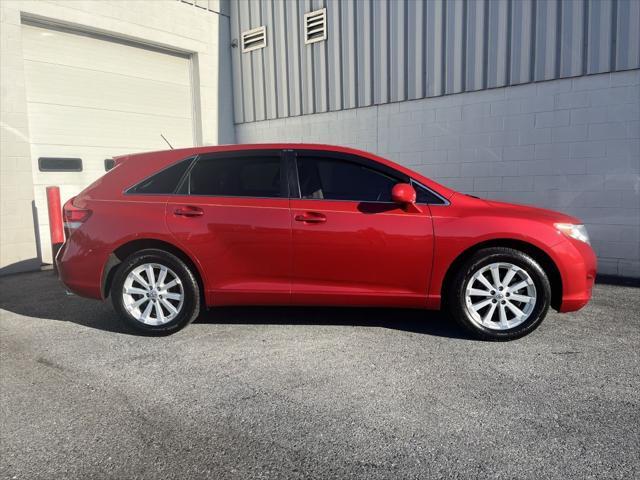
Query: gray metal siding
x: 394, y: 50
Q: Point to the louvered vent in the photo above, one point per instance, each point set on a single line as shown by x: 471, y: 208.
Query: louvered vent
x: 254, y: 39
x: 315, y: 26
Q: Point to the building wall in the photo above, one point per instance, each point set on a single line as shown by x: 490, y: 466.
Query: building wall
x: 571, y: 145
x: 202, y: 33
x: 386, y: 51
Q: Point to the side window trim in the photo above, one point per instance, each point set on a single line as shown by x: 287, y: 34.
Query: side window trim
x: 291, y: 157
x: 285, y: 185
x: 185, y: 182
x: 131, y: 190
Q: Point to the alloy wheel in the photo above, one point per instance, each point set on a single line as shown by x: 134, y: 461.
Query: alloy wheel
x: 500, y: 296
x: 153, y: 294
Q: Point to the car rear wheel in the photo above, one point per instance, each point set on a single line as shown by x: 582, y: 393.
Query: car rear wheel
x: 500, y: 294
x: 155, y: 292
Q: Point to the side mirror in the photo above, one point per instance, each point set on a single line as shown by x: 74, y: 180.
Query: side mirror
x: 405, y: 195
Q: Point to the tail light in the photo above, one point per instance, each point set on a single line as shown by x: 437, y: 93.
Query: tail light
x: 73, y: 217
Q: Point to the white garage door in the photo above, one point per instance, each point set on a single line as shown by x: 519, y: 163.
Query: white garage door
x: 92, y: 98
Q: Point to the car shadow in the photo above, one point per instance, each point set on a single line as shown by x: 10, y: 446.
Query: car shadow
x: 415, y: 321
x: 40, y: 295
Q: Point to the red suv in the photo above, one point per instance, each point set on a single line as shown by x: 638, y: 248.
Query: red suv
x: 165, y: 234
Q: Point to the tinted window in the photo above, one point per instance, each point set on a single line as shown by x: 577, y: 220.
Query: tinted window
x: 238, y: 176
x: 334, y: 179
x: 426, y: 196
x: 49, y: 164
x: 163, y: 182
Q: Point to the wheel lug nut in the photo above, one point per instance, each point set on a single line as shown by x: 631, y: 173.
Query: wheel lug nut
x: 493, y: 301
x: 493, y: 292
x: 503, y: 302
x: 500, y: 289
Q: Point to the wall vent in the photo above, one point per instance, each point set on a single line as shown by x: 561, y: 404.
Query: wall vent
x: 315, y: 26
x: 54, y: 164
x: 254, y: 39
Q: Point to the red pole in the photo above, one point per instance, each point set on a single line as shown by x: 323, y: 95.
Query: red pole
x: 55, y: 220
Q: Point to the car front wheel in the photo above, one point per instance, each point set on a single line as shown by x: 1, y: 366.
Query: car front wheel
x: 500, y: 294
x: 155, y: 292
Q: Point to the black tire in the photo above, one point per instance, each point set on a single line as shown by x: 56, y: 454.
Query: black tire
x: 191, y: 291
x: 457, y: 302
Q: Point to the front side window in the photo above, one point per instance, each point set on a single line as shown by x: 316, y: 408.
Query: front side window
x: 164, y: 182
x: 335, y: 179
x: 256, y: 175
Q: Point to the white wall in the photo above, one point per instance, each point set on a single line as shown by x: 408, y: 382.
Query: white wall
x: 162, y: 23
x: 571, y: 145
x: 17, y: 235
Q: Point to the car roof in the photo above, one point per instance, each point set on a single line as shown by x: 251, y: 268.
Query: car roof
x: 254, y: 146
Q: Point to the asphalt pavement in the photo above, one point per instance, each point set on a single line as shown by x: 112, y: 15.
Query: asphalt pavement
x: 270, y: 393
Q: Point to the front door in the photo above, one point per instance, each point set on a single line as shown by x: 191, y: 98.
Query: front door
x: 351, y: 243
x: 232, y: 215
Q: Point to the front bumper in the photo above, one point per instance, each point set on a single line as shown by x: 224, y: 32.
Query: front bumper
x: 577, y: 264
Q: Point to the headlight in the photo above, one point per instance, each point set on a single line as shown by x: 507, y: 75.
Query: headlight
x: 579, y: 232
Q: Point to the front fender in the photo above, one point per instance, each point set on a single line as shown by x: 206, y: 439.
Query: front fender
x: 457, y: 235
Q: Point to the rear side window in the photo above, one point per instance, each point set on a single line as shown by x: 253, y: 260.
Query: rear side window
x: 164, y: 182
x: 256, y: 175
x: 334, y: 179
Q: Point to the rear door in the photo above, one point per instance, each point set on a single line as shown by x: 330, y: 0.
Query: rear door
x: 232, y: 214
x: 351, y: 244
